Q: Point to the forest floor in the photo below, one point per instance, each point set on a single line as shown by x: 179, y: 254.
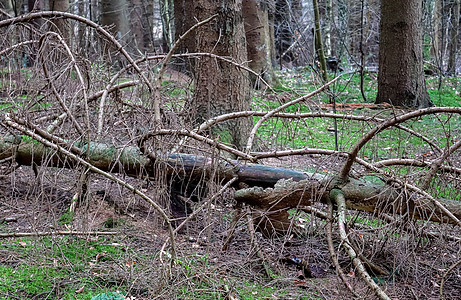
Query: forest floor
x: 81, y: 267
x: 294, y: 266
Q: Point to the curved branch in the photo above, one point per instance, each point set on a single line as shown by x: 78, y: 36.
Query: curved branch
x: 411, y: 163
x: 100, y: 29
x: 2, y: 52
x: 198, y: 137
x: 9, y: 122
x: 445, y: 275
x: 282, y: 107
x: 338, y: 196
x: 391, y: 122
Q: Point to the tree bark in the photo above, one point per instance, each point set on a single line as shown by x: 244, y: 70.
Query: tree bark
x: 113, y: 15
x: 284, y: 188
x: 318, y: 42
x: 61, y: 26
x: 258, y: 37
x: 221, y: 87
x: 401, y: 74
x: 451, y: 68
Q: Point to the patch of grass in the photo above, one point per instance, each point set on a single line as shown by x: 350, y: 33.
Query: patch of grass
x: 448, y: 94
x: 55, y: 268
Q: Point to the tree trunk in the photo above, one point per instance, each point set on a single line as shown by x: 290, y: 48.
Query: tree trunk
x: 113, y: 15
x: 353, y: 29
x: 136, y: 24
x: 451, y: 68
x: 284, y: 188
x: 436, y: 51
x: 318, y: 42
x: 183, y: 21
x: 219, y: 86
x: 401, y: 74
x: 7, y: 6
x: 61, y: 26
x: 166, y: 11
x: 327, y: 32
x: 283, y: 27
x: 257, y: 32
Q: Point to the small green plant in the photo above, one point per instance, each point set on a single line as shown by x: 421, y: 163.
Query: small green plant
x: 66, y: 218
x: 28, y: 139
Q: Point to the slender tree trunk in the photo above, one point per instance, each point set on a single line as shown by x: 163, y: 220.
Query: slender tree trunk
x: 257, y: 32
x: 166, y: 11
x: 283, y: 26
x: 451, y: 69
x: 401, y: 75
x: 318, y: 42
x: 354, y: 30
x: 221, y: 87
x: 436, y: 49
x: 329, y: 51
x: 183, y: 21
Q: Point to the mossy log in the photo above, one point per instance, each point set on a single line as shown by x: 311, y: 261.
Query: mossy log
x: 272, y: 190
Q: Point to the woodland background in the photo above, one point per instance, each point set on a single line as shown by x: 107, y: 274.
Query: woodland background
x: 242, y: 149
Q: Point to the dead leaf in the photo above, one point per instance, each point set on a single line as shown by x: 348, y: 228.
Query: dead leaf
x: 130, y: 263
x: 80, y: 290
x: 100, y: 255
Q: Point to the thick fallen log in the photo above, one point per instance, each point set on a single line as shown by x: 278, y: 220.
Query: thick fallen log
x: 359, y: 194
x: 273, y: 190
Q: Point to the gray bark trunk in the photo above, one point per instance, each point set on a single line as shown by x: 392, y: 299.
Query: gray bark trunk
x: 401, y: 74
x: 451, y: 68
x: 258, y: 36
x: 221, y: 87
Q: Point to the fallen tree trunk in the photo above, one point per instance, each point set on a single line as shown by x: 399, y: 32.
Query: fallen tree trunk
x: 271, y: 189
